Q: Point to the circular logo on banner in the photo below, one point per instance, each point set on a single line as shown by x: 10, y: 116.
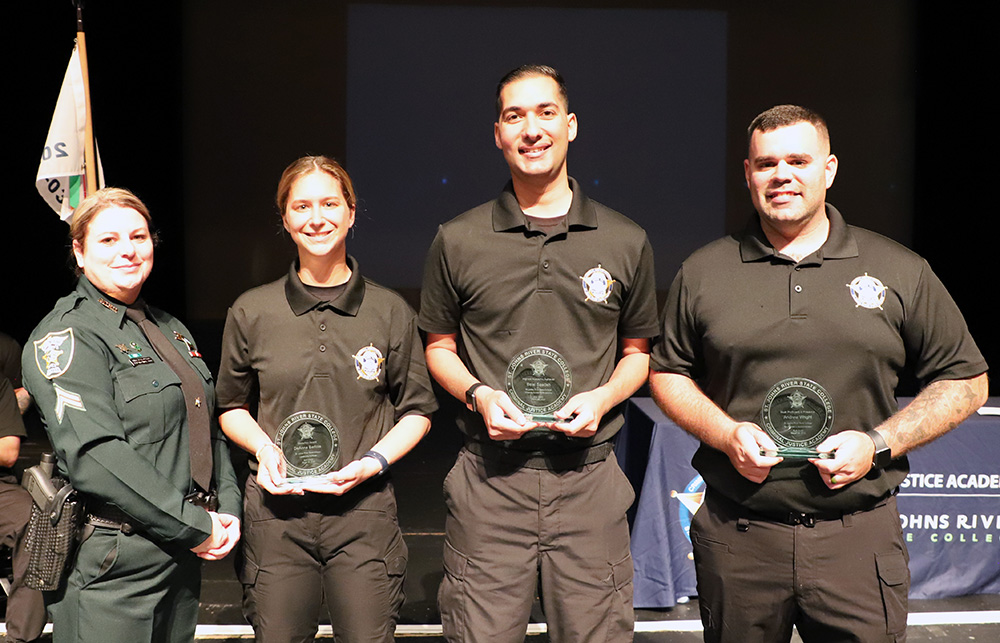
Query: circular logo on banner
x: 690, y: 501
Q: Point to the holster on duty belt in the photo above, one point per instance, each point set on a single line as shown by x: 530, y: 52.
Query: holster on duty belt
x: 53, y: 532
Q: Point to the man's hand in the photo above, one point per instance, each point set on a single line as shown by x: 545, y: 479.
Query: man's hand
x: 504, y: 421
x: 684, y: 402
x: 852, y: 460
x: 743, y: 446
x: 588, y: 407
x: 937, y: 409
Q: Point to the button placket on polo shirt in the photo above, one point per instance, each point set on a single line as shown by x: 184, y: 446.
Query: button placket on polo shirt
x: 546, y: 265
x: 322, y: 336
x: 797, y: 294
x: 326, y: 351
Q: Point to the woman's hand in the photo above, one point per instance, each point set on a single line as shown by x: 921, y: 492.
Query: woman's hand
x: 340, y: 482
x: 225, y: 535
x: 271, y: 471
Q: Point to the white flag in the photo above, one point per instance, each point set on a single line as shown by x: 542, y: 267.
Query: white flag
x: 60, y: 178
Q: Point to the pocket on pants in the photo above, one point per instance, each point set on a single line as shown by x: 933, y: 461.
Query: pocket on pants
x: 625, y: 490
x: 247, y: 570
x: 448, y: 487
x: 621, y: 617
x: 894, y: 583
x: 395, y: 560
x: 97, y: 556
x: 395, y: 569
x: 451, y: 594
x: 621, y: 574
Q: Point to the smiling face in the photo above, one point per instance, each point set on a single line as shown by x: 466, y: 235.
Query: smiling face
x: 788, y: 171
x: 317, y: 216
x: 534, y: 129
x: 116, y: 253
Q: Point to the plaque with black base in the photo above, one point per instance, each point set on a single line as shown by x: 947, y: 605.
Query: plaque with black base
x: 798, y: 414
x: 310, y: 446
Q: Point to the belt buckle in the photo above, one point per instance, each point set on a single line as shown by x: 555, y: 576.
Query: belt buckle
x: 100, y: 521
x: 206, y: 500
x: 799, y: 518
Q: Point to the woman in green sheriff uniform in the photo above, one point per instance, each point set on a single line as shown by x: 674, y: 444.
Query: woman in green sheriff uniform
x: 130, y: 421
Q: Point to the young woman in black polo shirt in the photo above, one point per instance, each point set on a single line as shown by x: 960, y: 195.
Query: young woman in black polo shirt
x: 334, y: 367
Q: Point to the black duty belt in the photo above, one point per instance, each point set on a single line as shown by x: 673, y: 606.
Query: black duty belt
x: 100, y: 514
x: 535, y: 460
x: 109, y: 517
x: 800, y: 518
x: 743, y: 515
x: 808, y: 519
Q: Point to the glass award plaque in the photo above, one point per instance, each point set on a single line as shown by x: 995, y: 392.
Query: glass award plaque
x: 309, y: 444
x: 539, y: 382
x: 798, y: 414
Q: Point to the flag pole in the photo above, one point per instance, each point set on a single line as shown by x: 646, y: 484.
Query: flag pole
x: 89, y: 154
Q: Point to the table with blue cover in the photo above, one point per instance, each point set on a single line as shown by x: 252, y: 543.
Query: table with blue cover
x: 949, y: 506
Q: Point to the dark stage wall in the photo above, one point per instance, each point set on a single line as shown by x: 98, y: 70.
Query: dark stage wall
x: 199, y: 105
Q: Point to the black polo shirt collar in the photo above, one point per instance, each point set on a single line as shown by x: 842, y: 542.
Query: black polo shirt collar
x: 508, y: 216
x: 110, y: 307
x: 302, y: 301
x: 839, y: 244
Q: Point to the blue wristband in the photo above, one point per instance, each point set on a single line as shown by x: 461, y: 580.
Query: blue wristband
x: 381, y: 460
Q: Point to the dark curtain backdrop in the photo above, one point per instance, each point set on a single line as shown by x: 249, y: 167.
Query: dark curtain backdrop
x: 199, y: 105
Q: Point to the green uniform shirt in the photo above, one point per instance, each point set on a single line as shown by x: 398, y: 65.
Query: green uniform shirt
x: 116, y: 416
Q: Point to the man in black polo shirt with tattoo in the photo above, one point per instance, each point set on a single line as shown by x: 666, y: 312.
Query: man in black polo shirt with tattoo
x: 541, y: 273
x: 793, y: 335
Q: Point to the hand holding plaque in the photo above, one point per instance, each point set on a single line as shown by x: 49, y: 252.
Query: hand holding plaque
x: 310, y: 446
x: 539, y: 382
x: 797, y: 414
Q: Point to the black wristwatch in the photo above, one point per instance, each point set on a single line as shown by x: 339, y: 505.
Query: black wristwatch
x: 883, y: 454
x: 470, y: 397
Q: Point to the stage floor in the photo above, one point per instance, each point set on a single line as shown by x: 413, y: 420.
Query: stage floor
x: 418, y: 479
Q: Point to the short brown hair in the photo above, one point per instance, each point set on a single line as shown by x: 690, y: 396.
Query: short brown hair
x: 307, y: 165
x: 785, y: 115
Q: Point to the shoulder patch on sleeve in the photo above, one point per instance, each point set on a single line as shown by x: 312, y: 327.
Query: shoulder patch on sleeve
x: 54, y: 353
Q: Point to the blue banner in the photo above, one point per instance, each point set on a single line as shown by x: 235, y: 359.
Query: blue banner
x: 949, y: 508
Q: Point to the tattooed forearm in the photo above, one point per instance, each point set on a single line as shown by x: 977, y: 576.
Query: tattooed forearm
x: 939, y: 408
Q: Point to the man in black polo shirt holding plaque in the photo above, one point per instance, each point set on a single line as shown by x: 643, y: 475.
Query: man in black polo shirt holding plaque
x: 538, y: 308
x: 781, y: 350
